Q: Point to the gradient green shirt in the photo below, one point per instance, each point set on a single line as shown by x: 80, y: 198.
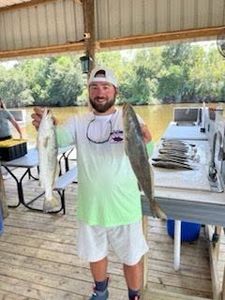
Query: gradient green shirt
x: 108, y: 194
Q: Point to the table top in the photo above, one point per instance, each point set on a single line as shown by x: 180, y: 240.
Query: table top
x: 184, y: 132
x: 186, y: 195
x: 195, y: 179
x: 31, y: 160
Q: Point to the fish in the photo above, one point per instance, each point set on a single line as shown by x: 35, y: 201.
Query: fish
x: 169, y: 148
x: 179, y: 146
x: 174, y: 157
x: 136, y: 151
x: 171, y: 165
x: 180, y: 142
x: 48, y: 163
x: 169, y: 159
x: 175, y: 153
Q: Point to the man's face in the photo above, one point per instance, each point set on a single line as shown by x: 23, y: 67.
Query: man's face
x: 102, y: 96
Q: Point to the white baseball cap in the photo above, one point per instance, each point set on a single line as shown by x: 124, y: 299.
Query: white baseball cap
x: 101, y: 74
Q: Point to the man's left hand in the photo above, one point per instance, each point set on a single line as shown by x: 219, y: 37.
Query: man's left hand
x: 147, y: 137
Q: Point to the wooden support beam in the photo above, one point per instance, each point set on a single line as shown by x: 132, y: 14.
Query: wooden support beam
x: 90, y: 45
x: 89, y: 29
x: 145, y: 257
x: 24, y: 4
x: 213, y: 255
x: 27, y: 4
x: 223, y: 285
x: 3, y: 198
x: 161, y: 37
x: 72, y: 47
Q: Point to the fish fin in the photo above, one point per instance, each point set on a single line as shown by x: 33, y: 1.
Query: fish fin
x: 126, y: 151
x: 57, y: 171
x: 40, y: 183
x: 45, y: 142
x: 56, y: 174
x: 50, y: 204
x: 157, y: 211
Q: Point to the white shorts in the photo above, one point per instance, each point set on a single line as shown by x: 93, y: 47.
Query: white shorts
x: 127, y: 241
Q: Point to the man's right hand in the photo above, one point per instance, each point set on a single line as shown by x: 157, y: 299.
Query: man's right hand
x: 37, y: 116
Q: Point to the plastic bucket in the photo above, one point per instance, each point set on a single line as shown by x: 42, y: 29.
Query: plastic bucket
x: 189, y: 231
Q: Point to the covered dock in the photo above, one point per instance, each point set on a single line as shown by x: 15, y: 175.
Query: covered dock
x: 38, y: 257
x: 38, y: 251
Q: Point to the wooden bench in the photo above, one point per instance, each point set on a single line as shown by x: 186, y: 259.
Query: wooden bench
x: 62, y: 182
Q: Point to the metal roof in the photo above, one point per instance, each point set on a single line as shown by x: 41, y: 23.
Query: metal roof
x: 29, y: 27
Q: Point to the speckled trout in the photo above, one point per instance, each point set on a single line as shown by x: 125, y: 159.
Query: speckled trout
x: 136, y: 150
x: 48, y: 164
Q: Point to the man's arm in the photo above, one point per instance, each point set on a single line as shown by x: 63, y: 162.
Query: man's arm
x: 16, y: 125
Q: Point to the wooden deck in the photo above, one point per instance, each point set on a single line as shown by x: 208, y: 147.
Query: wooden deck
x: 38, y: 258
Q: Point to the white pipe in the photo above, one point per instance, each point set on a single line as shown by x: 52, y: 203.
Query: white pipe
x: 177, y: 244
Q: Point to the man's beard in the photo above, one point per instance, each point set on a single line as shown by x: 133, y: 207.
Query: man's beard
x: 102, y: 107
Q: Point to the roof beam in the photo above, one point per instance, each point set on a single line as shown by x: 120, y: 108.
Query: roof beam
x: 71, y: 47
x: 27, y: 4
x: 161, y: 37
x: 125, y: 41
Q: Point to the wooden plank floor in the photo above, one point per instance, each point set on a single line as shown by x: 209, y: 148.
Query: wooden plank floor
x: 38, y: 257
x: 220, y: 262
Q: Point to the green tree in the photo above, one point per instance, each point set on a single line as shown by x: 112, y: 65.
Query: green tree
x: 14, y: 88
x: 64, y: 82
x: 177, y: 60
x: 54, y: 81
x: 139, y: 83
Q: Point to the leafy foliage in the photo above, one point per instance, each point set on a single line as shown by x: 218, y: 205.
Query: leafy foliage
x: 175, y: 73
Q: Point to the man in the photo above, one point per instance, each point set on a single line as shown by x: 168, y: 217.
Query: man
x: 5, y: 118
x: 109, y: 207
x: 5, y: 132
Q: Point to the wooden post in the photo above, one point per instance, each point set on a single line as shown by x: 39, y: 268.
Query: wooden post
x: 223, y: 286
x: 145, y: 258
x: 3, y: 199
x: 89, y: 30
x: 213, y: 255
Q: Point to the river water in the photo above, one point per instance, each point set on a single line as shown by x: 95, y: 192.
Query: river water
x: 157, y: 117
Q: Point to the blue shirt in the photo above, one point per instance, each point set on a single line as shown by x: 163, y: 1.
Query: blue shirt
x: 5, y: 116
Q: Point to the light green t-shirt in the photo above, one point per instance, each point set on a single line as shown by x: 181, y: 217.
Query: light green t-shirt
x: 108, y: 194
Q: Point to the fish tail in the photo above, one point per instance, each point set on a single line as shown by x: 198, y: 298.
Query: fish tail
x: 158, y: 212
x: 50, y: 204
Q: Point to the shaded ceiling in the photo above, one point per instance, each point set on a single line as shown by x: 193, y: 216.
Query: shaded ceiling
x: 34, y: 27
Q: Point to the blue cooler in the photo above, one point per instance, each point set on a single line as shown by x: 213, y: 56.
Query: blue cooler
x: 189, y: 231
x: 1, y: 222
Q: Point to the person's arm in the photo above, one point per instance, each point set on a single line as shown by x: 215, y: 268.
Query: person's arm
x: 16, y: 125
x: 146, y: 133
